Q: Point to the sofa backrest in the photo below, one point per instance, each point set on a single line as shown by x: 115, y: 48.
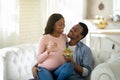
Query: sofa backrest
x: 18, y: 61
x: 100, y: 57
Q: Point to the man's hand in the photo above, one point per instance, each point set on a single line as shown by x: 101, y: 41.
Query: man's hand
x: 69, y: 59
x: 35, y: 70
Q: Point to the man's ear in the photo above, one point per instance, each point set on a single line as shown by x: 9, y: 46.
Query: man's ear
x: 81, y: 36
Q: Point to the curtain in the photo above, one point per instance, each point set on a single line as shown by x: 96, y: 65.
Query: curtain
x: 9, y: 19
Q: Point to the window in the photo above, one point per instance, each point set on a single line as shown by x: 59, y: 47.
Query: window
x: 9, y: 13
x: 116, y: 6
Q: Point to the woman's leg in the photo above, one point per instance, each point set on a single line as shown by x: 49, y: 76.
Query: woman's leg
x: 64, y: 71
x: 44, y: 74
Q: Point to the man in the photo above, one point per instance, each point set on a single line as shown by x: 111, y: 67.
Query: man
x: 82, y: 57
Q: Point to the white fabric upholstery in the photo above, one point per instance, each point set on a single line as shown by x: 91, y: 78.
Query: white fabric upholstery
x: 100, y: 57
x: 108, y: 70
x: 17, y: 62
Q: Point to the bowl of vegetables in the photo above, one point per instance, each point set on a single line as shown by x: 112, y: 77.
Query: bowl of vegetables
x: 102, y: 24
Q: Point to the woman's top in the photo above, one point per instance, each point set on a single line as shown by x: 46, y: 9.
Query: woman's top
x: 54, y: 59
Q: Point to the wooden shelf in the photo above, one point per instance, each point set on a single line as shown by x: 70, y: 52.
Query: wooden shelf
x: 106, y: 31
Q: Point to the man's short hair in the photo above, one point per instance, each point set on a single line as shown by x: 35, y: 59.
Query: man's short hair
x: 85, y: 28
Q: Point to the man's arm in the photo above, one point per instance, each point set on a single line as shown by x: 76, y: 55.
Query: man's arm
x: 86, y: 66
x: 87, y: 62
x: 77, y: 68
x: 35, y: 69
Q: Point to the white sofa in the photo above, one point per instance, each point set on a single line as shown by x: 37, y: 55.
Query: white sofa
x: 16, y: 63
x: 107, y: 66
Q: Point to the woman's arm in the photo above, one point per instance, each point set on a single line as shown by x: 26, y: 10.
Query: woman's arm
x: 42, y: 53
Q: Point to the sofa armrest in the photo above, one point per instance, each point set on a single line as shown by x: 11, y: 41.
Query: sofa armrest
x: 102, y: 72
x: 18, y: 60
x: 2, y: 64
x: 106, y: 71
x: 1, y: 68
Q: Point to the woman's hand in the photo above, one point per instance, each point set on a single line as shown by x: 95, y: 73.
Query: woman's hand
x: 52, y: 47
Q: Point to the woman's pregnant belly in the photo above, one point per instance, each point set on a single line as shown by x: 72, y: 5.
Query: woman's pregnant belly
x: 53, y: 61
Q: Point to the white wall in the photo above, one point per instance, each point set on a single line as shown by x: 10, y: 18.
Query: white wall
x: 92, y: 9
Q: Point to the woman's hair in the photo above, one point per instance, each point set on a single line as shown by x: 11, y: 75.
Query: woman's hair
x: 51, y: 22
x: 85, y: 29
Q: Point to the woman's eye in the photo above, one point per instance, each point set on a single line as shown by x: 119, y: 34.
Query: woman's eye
x: 61, y: 25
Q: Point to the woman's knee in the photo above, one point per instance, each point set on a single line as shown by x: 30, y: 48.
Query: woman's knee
x: 69, y: 66
x: 44, y: 74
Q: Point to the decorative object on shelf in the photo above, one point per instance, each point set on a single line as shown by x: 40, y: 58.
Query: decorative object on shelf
x: 101, y: 6
x: 115, y: 17
x: 100, y: 22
